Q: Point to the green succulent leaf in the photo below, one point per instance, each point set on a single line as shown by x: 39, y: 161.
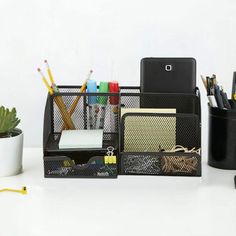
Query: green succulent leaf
x: 8, y: 120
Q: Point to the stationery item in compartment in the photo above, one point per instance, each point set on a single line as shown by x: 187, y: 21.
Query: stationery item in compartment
x: 101, y: 105
x: 216, y: 95
x: 142, y: 164
x: 178, y: 164
x: 147, y: 133
x: 68, y: 123
x: 82, y: 90
x: 81, y: 139
x: 92, y: 100
x: 114, y: 101
x: 146, y: 110
x: 234, y: 86
x: 225, y: 98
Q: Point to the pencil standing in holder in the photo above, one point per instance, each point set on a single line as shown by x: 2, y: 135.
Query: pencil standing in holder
x: 234, y: 86
x: 101, y: 105
x: 68, y: 123
x: 92, y: 100
x: 114, y: 102
x: 82, y: 90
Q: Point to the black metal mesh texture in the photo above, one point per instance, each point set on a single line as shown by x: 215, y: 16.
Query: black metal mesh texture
x: 154, y: 132
x: 80, y: 116
x: 161, y: 164
x: 183, y: 103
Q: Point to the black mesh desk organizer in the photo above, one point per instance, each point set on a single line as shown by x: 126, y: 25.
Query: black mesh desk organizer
x: 143, y: 135
x: 145, y: 158
x: 76, y: 162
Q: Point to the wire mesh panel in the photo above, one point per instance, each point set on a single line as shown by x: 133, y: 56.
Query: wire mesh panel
x: 183, y: 103
x: 80, y: 116
x: 150, y: 132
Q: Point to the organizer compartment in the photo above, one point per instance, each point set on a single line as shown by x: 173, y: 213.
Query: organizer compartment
x: 143, y: 135
x: 77, y: 162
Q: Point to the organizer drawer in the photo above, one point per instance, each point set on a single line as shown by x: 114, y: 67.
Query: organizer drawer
x: 64, y: 167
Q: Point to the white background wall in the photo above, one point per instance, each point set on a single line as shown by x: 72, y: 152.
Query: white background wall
x: 110, y: 37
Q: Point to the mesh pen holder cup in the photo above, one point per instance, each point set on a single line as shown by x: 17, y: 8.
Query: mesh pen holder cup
x: 78, y: 162
x: 222, y: 138
x: 143, y: 135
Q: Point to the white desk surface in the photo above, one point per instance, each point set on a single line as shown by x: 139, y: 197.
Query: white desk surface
x: 129, y: 205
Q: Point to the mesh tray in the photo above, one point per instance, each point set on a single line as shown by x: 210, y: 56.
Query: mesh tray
x: 78, y: 162
x: 143, y: 135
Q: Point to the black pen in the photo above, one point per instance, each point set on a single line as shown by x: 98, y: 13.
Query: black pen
x: 225, y: 98
x: 234, y: 87
x: 218, y: 97
x: 210, y: 92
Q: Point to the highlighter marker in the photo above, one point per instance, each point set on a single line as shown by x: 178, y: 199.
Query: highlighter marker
x: 92, y: 88
x: 101, y: 105
x: 114, y: 101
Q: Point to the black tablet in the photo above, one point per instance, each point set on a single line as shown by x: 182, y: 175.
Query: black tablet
x: 168, y: 75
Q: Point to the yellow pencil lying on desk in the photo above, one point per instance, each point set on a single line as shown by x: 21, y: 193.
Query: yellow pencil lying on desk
x: 23, y: 190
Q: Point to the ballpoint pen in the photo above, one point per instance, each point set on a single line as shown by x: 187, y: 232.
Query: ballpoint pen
x: 101, y: 105
x: 225, y: 98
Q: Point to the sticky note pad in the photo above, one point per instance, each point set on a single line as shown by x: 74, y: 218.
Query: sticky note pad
x: 81, y: 139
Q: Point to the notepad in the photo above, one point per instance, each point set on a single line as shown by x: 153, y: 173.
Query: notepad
x: 144, y: 133
x: 81, y: 139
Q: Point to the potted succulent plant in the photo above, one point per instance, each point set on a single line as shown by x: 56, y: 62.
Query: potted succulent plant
x: 11, y: 143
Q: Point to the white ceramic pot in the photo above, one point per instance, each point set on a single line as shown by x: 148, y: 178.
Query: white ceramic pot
x: 11, y: 149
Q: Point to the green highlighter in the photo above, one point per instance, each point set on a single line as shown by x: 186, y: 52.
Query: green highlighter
x: 101, y: 105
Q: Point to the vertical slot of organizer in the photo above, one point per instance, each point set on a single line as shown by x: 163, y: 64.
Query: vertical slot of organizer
x: 78, y: 162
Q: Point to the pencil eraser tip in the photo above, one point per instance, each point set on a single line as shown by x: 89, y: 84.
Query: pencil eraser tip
x: 45, y: 61
x: 38, y: 69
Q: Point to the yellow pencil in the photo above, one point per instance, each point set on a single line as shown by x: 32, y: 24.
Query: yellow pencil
x: 50, y: 90
x: 49, y: 72
x: 68, y: 123
x: 82, y: 89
